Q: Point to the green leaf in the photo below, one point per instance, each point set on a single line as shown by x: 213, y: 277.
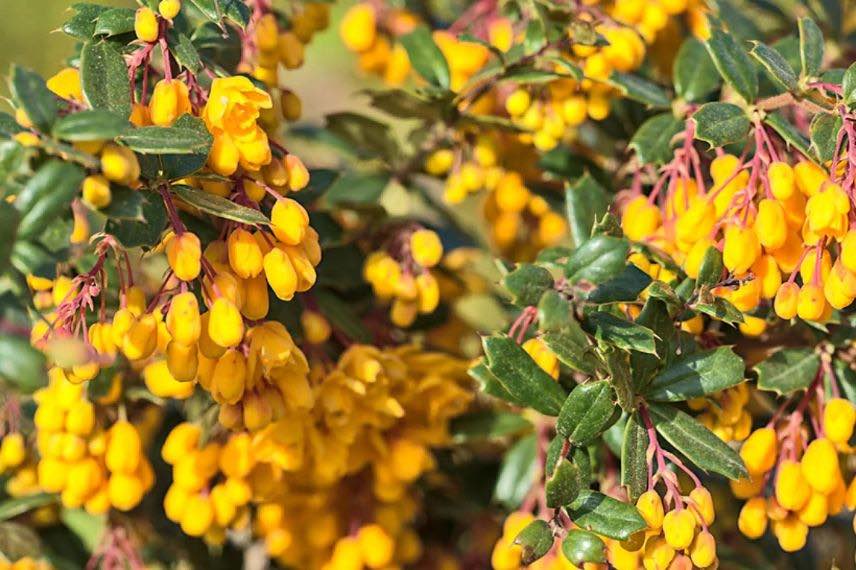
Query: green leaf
x: 788, y: 370
x: 490, y: 384
x: 535, y: 37
x: 405, y: 104
x: 581, y: 546
x: 554, y: 312
x: 342, y: 316
x: 145, y: 232
x: 694, y: 73
x: 516, y: 473
x: 789, y: 133
x: 90, y: 125
x: 824, y: 134
x: 720, y: 309
x: 654, y: 316
x: 848, y: 85
x: 587, y: 412
x: 653, y: 140
x: 176, y: 166
x: 710, y: 272
x: 733, y: 64
x: 527, y: 283
x: 365, y: 136
x: 9, y: 127
x: 487, y: 424
x: 184, y: 51
x: 82, y: 24
x: 21, y: 366
x: 563, y: 485
x: 535, y: 541
x: 219, y: 206
x: 521, y: 376
x: 13, y: 507
x: 719, y: 124
x: 114, y: 22
x: 604, y: 515
x: 32, y: 94
x: 426, y: 57
x: 125, y: 204
x: 357, y: 188
x: 177, y: 139
x: 697, y: 443
x: 572, y: 347
x: 624, y: 288
x: 634, y: 460
x: 640, y: 89
x: 217, y: 10
x: 89, y: 528
x: 696, y: 375
x: 620, y: 376
x: 46, y: 195
x: 104, y: 77
x: 776, y: 66
x: 622, y: 333
x: 9, y: 219
x: 586, y: 202
x: 811, y: 47
x: 597, y: 260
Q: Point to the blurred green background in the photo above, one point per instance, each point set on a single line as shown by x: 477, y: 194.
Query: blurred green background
x: 31, y: 37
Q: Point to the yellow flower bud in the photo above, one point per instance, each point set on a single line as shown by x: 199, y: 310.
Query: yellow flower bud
x: 376, y: 545
x: 650, y: 506
x: 291, y: 50
x: 141, y: 340
x: 740, y: 249
x: 759, y: 451
x: 792, y: 489
x: 225, y: 325
x: 752, y: 520
x: 256, y: 299
x: 245, y: 255
x: 839, y: 417
x: 703, y: 503
x: 124, y: 448
x: 316, y: 329
x: 703, y: 550
x: 426, y: 248
x: 791, y: 532
x: 787, y: 299
x: 96, y: 191
x: 119, y: 164
x: 198, y: 516
x: 640, y: 219
x: 184, y: 254
x: 12, y: 451
x: 229, y: 378
x: 291, y: 106
x: 183, y: 320
x: 169, y: 9
x: 170, y: 100
x: 358, y: 28
x: 182, y: 361
x: 298, y: 174
x: 658, y: 554
x: 289, y: 221
x: 770, y: 225
x: 820, y: 466
x: 679, y: 528
x: 81, y: 419
x: 146, y: 25
x: 125, y: 491
x: 280, y: 273
x: 811, y: 303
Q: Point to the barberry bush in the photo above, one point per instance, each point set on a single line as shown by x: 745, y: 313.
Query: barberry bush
x: 562, y: 285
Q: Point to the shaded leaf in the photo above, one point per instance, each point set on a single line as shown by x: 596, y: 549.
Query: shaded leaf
x: 90, y: 125
x: 587, y: 412
x: 694, y: 73
x: 811, y: 47
x: 586, y: 202
x: 634, y: 461
x: 21, y: 366
x: 622, y: 333
x: 426, y: 57
x: 788, y: 370
x: 604, y: 515
x: 219, y: 206
x: 776, y: 66
x: 719, y: 124
x: 527, y: 283
x: 33, y: 96
x: 181, y: 138
x: 487, y: 424
x: 563, y: 485
x: 824, y: 135
x: 516, y: 473
x: 46, y: 195
x: 733, y: 64
x: 104, y: 78
x: 696, y: 375
x: 535, y: 541
x: 640, y: 89
x: 625, y: 287
x: 653, y: 140
x: 597, y: 260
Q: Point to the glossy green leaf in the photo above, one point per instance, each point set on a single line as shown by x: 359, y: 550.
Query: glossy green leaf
x: 776, y: 66
x: 587, y: 412
x: 145, y: 232
x: 581, y: 546
x: 695, y: 442
x: 16, y: 506
x: 696, y: 375
x: 218, y: 206
x: 848, y: 85
x: 9, y: 219
x: 357, y: 188
x: 597, y: 260
x: 184, y: 51
x: 114, y: 22
x: 527, y: 283
x: 490, y: 384
x: 733, y: 64
x: 824, y: 135
x: 586, y: 202
x: 46, y: 195
x: 487, y: 424
x: 21, y: 366
x: 217, y: 10
x: 104, y: 78
x: 788, y: 370
x: 516, y: 473
x: 621, y: 333
x: 33, y: 96
x: 640, y: 89
x: 811, y: 47
x: 563, y: 485
x: 572, y: 347
x: 634, y: 460
x: 90, y: 125
x: 654, y: 316
x: 604, y: 515
x: 620, y: 376
x: 82, y: 24
x: 720, y: 309
x: 177, y: 139
x: 535, y: 541
x: 791, y: 135
x: 521, y: 376
x: 719, y: 124
x: 554, y: 312
x: 694, y: 73
x: 653, y: 141
x: 625, y: 287
x: 426, y: 57
x: 710, y: 272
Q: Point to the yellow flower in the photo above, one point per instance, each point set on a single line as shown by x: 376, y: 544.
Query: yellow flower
x: 231, y: 115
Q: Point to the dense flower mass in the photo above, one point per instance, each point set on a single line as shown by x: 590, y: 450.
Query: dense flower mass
x: 570, y: 286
